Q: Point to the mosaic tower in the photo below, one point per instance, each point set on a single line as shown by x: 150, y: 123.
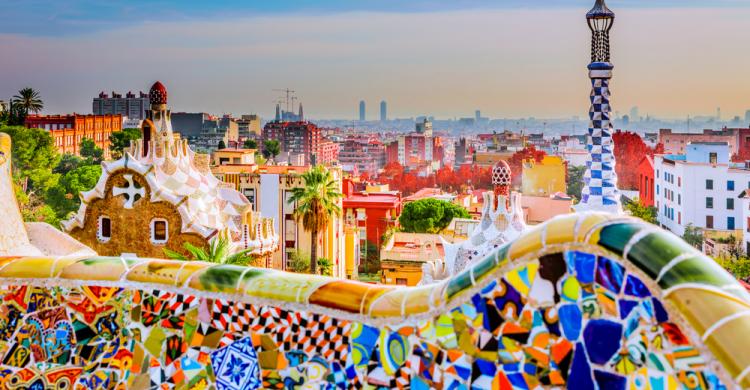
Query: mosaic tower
x: 600, y: 191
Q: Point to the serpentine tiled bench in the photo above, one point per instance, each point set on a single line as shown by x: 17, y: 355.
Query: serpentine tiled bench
x: 584, y: 301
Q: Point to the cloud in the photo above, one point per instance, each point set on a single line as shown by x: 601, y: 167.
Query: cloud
x: 517, y: 62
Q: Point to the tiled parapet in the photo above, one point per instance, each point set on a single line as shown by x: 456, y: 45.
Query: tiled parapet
x: 583, y: 301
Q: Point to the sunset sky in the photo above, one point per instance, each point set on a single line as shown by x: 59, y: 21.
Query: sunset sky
x: 442, y: 58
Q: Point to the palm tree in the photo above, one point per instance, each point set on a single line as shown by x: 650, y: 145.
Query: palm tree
x: 316, y: 204
x: 216, y: 252
x: 29, y: 100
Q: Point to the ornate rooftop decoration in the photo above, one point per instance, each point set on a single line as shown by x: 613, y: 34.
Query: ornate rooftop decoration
x: 158, y: 94
x: 502, y: 221
x: 600, y: 20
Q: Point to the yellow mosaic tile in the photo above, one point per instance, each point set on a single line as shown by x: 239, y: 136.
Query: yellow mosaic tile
x: 285, y: 287
x: 389, y: 304
x: 102, y: 268
x: 527, y: 243
x: 587, y: 222
x: 341, y: 294
x: 704, y: 307
x: 731, y: 350
x: 155, y: 271
x: 561, y: 230
x: 28, y: 267
x: 187, y: 270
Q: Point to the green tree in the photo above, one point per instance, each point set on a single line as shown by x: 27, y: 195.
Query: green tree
x: 317, y: 203
x: 92, y: 153
x: 299, y: 262
x: 68, y: 162
x: 250, y: 144
x: 326, y: 266
x: 271, y: 148
x: 28, y: 100
x: 575, y: 180
x: 222, y: 145
x: 429, y: 215
x: 120, y: 140
x: 34, y: 157
x: 63, y: 198
x: 217, y: 251
x: 693, y: 235
x: 33, y: 208
x: 638, y: 210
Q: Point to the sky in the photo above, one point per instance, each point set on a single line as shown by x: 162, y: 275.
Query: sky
x: 508, y: 58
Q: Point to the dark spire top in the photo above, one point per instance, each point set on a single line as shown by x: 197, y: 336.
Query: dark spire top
x: 600, y: 20
x: 600, y: 10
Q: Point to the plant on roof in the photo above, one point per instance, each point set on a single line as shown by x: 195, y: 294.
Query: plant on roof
x: 218, y: 251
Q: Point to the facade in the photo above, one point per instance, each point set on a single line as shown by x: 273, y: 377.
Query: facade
x: 363, y: 154
x: 676, y: 143
x: 545, y: 178
x: 374, y: 213
x: 69, y: 130
x: 701, y: 188
x: 248, y: 126
x: 418, y: 149
x: 131, y: 106
x: 267, y: 189
x: 646, y: 181
x: 302, y: 138
x: 403, y: 256
x: 161, y: 196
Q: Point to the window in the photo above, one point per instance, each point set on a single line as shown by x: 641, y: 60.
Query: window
x: 730, y: 204
x: 709, y: 203
x: 709, y: 184
x: 712, y: 158
x: 657, y: 189
x: 679, y: 217
x: 657, y: 173
x: 748, y: 225
x: 401, y: 281
x: 679, y: 199
x: 730, y: 185
x: 679, y: 181
x: 250, y: 195
x: 709, y: 221
x: 730, y: 223
x: 159, y: 233
x: 104, y: 232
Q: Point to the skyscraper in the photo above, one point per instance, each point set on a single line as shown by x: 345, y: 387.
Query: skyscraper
x: 362, y: 110
x: 477, y: 115
x: 383, y: 111
x: 600, y: 180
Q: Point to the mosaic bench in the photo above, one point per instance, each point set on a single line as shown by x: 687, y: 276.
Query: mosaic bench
x: 584, y: 301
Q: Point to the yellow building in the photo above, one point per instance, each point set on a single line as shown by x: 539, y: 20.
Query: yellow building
x: 544, y: 178
x: 401, y: 259
x: 233, y: 157
x: 490, y: 158
x: 268, y: 189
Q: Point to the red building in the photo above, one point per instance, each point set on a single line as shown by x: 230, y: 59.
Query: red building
x: 302, y: 138
x: 366, y: 154
x: 646, y: 181
x: 372, y: 212
x: 69, y: 130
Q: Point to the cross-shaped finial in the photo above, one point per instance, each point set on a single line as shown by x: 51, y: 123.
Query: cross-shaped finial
x: 130, y: 191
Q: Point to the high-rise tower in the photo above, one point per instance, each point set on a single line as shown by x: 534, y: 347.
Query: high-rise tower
x: 383, y: 111
x: 600, y: 191
x: 362, y: 110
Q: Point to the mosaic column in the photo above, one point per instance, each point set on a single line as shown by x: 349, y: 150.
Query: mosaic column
x: 600, y: 190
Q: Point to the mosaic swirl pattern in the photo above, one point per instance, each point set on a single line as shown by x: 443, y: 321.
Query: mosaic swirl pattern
x: 585, y: 301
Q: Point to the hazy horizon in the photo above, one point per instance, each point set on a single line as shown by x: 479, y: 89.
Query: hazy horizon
x: 437, y: 58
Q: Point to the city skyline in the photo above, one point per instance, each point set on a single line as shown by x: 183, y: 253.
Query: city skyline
x: 508, y: 62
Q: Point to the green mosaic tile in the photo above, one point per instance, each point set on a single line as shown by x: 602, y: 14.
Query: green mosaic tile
x: 656, y: 250
x: 616, y: 237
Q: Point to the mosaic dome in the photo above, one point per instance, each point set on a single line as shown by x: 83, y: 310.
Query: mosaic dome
x: 158, y: 93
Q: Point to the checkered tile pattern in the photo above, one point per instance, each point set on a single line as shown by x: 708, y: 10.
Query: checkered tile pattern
x: 600, y: 191
x: 315, y: 335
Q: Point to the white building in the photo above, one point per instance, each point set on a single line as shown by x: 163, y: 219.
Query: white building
x: 745, y: 205
x: 701, y: 188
